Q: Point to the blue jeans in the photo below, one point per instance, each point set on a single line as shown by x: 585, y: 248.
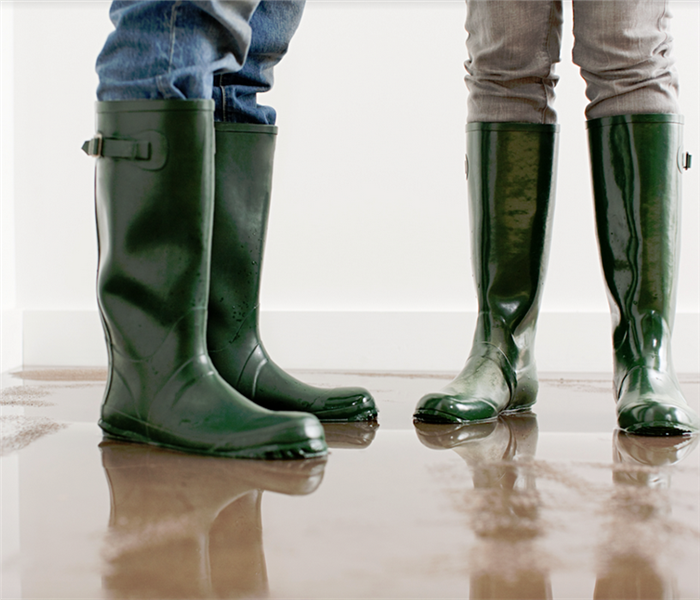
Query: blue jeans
x: 623, y: 48
x: 224, y: 50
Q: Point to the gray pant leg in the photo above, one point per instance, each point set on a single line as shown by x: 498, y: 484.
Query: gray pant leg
x: 623, y: 48
x: 513, y: 47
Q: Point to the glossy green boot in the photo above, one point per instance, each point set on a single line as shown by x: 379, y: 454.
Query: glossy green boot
x: 154, y: 202
x: 636, y: 167
x: 244, y: 160
x: 511, y: 173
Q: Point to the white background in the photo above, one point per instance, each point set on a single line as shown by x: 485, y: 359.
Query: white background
x: 367, y: 263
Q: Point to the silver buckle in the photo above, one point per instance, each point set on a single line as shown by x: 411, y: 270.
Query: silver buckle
x: 99, y: 139
x: 93, y: 147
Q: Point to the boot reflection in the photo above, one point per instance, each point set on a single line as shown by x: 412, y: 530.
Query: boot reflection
x: 641, y: 506
x: 358, y: 435
x: 505, y: 510
x: 188, y: 526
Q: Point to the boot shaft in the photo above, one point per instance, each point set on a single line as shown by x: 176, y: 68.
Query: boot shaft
x: 154, y: 208
x: 636, y: 169
x: 511, y: 179
x: 244, y: 163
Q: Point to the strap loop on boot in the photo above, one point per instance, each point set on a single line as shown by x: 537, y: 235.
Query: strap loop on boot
x: 113, y: 148
x: 148, y: 149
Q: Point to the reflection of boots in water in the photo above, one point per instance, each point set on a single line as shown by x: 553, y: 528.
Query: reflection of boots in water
x: 505, y: 505
x: 641, y: 507
x: 357, y: 435
x: 189, y: 526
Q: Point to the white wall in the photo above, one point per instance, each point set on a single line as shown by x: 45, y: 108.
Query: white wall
x: 10, y: 316
x: 367, y: 265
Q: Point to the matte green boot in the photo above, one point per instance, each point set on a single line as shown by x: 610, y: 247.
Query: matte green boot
x: 511, y: 187
x: 154, y: 203
x: 244, y: 160
x: 636, y: 168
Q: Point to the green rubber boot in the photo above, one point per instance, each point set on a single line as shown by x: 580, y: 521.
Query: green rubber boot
x: 244, y: 160
x: 511, y: 188
x: 636, y: 168
x: 154, y: 203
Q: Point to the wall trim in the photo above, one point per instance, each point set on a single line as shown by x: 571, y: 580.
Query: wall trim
x: 367, y: 340
x: 11, y: 335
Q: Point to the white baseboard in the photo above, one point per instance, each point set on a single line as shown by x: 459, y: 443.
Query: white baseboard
x: 368, y: 341
x: 11, y: 335
x: 70, y: 338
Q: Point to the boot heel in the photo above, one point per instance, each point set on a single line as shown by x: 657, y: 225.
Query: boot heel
x: 525, y: 392
x: 126, y: 432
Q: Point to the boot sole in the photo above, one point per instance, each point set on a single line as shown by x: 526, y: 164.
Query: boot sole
x: 436, y: 416
x: 659, y: 429
x: 291, y: 451
x: 370, y: 415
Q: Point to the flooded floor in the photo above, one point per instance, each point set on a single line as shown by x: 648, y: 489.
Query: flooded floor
x: 557, y: 505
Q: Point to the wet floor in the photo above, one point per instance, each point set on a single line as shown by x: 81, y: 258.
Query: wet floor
x: 557, y: 505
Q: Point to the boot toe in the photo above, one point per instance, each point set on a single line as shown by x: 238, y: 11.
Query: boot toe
x: 281, y: 435
x: 442, y: 408
x: 651, y: 403
x: 346, y: 405
x: 654, y: 416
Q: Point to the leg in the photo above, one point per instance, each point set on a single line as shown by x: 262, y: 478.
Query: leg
x: 636, y: 185
x: 273, y: 24
x: 635, y: 139
x: 154, y: 203
x: 623, y: 49
x: 171, y: 50
x: 513, y: 47
x: 244, y: 162
x: 511, y: 190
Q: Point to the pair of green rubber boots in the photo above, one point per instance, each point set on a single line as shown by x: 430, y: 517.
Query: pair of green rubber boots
x: 182, y: 208
x: 636, y: 163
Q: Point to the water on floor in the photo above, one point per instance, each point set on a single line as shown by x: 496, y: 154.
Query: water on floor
x: 557, y: 505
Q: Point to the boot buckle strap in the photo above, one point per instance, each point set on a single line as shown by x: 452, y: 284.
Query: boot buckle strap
x: 687, y: 161
x: 148, y: 149
x: 100, y: 146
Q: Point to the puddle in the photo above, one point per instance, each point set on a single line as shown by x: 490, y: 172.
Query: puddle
x: 17, y: 431
x: 65, y: 374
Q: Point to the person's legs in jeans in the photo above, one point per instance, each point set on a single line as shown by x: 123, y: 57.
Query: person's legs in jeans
x: 195, y: 44
x: 221, y: 50
x: 273, y: 24
x: 154, y: 195
x: 635, y: 143
x: 245, y: 141
x: 171, y: 50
